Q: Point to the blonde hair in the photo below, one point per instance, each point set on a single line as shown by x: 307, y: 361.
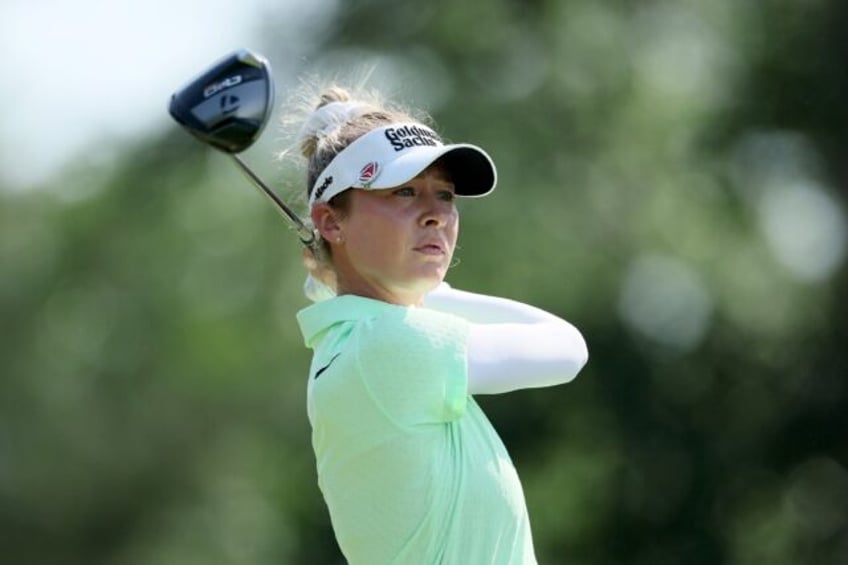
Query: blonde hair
x: 322, y: 134
x: 316, y: 140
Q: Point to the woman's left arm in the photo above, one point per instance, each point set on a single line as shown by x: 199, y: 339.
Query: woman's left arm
x: 512, y: 356
x: 512, y: 345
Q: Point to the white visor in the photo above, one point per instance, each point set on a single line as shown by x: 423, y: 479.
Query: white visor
x: 392, y: 155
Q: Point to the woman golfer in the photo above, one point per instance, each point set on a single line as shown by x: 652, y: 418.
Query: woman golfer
x: 410, y: 468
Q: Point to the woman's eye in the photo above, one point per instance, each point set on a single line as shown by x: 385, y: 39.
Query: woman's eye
x: 405, y: 191
x: 447, y: 195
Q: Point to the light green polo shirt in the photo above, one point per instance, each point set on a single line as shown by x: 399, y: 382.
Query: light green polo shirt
x: 410, y: 467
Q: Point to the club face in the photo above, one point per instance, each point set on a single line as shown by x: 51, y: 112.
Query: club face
x: 228, y: 105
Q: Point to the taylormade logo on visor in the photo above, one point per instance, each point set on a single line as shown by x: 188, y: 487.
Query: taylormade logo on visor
x: 411, y: 136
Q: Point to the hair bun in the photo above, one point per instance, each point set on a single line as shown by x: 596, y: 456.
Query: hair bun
x: 325, y: 120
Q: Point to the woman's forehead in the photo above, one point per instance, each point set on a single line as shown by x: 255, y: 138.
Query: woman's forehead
x: 437, y: 170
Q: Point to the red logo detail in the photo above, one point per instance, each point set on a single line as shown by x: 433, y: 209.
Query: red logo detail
x: 368, y: 173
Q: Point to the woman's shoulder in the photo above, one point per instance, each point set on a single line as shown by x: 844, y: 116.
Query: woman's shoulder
x: 409, y: 328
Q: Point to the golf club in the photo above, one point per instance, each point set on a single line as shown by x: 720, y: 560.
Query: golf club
x: 227, y: 107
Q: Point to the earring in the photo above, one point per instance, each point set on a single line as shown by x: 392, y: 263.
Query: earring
x: 340, y: 240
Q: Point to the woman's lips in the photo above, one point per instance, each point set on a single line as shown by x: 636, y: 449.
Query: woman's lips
x: 431, y: 248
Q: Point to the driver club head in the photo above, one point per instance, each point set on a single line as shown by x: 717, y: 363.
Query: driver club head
x: 228, y: 105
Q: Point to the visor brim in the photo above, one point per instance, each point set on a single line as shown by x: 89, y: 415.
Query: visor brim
x: 471, y: 170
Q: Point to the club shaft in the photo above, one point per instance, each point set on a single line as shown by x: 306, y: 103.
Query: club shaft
x: 305, y: 234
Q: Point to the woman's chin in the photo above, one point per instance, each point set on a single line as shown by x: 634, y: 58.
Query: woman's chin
x: 422, y: 283
x: 431, y: 278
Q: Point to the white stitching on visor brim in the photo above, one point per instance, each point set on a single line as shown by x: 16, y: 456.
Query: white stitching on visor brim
x: 387, y: 157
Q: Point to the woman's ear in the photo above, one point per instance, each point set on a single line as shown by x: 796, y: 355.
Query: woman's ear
x: 326, y: 221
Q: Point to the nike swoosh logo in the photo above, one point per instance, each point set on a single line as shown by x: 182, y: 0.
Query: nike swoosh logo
x: 325, y: 367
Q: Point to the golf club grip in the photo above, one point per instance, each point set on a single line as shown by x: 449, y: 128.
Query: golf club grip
x: 307, y: 237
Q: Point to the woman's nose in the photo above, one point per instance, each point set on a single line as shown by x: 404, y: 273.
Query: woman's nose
x: 437, y: 211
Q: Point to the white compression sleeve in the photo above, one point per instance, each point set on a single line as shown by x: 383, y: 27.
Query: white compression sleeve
x: 512, y: 345
x: 482, y: 309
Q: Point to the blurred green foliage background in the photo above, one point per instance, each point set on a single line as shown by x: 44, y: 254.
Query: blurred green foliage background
x: 673, y: 180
